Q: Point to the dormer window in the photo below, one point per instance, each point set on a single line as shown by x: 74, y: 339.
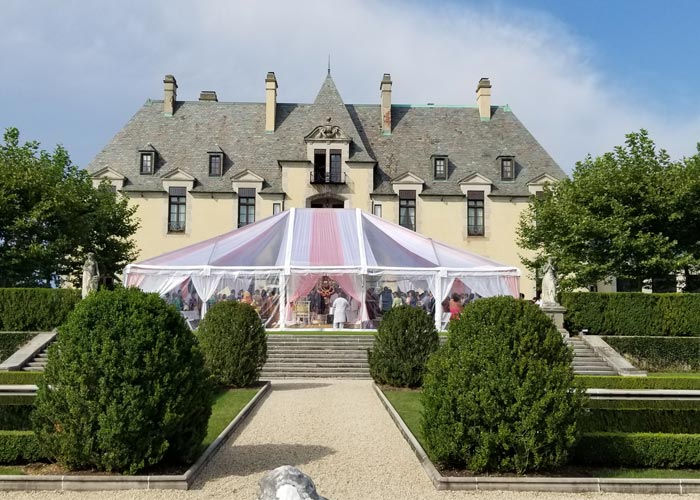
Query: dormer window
x: 440, y: 168
x: 147, y: 160
x: 215, y: 164
x: 507, y: 169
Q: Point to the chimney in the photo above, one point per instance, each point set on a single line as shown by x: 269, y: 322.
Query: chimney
x: 483, y: 99
x: 385, y: 87
x: 170, y: 95
x: 270, y: 101
x: 208, y: 95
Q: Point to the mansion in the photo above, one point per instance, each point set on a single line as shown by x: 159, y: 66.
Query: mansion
x: 460, y: 174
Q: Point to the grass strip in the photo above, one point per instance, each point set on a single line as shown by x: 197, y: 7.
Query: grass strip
x: 227, y: 404
x: 20, y: 378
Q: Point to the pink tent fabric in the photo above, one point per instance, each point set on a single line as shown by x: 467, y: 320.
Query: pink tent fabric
x: 345, y: 244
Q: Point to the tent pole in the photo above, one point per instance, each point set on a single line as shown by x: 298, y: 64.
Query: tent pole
x: 283, y: 300
x: 438, y: 302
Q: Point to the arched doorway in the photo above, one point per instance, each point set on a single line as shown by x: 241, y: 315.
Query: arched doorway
x: 325, y: 201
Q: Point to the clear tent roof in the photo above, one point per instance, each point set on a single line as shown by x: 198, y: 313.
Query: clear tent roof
x: 314, y: 238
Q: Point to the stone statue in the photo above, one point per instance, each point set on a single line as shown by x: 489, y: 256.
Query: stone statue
x: 549, y: 286
x: 287, y: 483
x: 91, y: 275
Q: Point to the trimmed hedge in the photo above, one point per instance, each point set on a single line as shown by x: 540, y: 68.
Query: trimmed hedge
x: 35, y: 309
x: 498, y: 395
x: 234, y: 344
x: 606, y: 382
x: 20, y: 378
x: 125, y: 386
x: 11, y: 341
x: 16, y: 417
x: 18, y: 447
x: 405, y: 339
x: 644, y: 404
x: 681, y: 421
x: 629, y: 314
x: 638, y: 450
x: 659, y: 353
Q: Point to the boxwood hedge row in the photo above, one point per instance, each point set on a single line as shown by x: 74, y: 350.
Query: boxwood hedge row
x: 607, y: 382
x: 35, y: 309
x: 660, y: 314
x: 11, y: 341
x: 659, y: 353
x: 17, y: 447
x: 672, y: 421
x: 638, y: 450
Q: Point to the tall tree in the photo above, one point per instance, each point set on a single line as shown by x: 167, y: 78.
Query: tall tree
x: 51, y: 217
x: 621, y: 214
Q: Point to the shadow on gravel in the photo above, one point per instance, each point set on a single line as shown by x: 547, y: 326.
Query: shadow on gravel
x: 245, y: 460
x: 292, y: 386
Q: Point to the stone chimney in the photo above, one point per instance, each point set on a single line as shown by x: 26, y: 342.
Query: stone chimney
x: 483, y: 99
x: 170, y: 95
x: 208, y: 95
x: 385, y: 87
x: 270, y: 101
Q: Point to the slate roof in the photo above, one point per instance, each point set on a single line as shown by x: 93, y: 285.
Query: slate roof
x: 238, y: 129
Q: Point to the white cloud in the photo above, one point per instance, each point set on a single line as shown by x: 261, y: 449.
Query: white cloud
x: 108, y: 58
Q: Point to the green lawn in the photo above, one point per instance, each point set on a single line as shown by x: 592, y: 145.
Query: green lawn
x: 302, y: 331
x: 227, y: 404
x: 20, y: 378
x: 681, y: 381
x: 407, y: 404
x: 11, y: 470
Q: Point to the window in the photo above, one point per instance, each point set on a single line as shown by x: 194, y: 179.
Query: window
x: 112, y: 188
x: 475, y: 213
x: 215, y: 161
x: 407, y: 209
x: 440, y: 168
x: 336, y: 170
x: 377, y: 210
x: 246, y: 206
x: 146, y: 163
x: 507, y: 169
x: 177, y: 210
x: 319, y: 165
x: 276, y: 208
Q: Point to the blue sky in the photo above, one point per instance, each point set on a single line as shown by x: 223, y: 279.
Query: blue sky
x: 579, y: 74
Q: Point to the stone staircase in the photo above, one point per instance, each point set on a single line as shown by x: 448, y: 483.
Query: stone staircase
x: 317, y: 356
x: 586, y: 361
x: 345, y: 356
x: 38, y: 362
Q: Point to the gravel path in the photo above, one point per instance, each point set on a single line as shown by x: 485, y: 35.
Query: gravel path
x: 337, y: 432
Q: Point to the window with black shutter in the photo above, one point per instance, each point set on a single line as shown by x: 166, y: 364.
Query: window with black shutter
x: 246, y: 206
x: 177, y: 209
x: 407, y: 209
x: 475, y: 213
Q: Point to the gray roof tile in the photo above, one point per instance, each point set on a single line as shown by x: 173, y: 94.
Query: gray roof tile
x: 238, y: 129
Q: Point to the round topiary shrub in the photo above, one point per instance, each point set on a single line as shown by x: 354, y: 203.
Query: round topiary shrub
x: 500, y: 395
x: 234, y: 343
x: 405, y: 339
x: 125, y: 386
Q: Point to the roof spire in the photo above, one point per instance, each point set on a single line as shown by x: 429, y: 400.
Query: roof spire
x: 329, y: 65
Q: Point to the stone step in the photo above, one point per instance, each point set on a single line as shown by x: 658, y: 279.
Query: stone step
x: 312, y: 354
x: 343, y: 375
x: 36, y: 363
x: 311, y: 359
x: 595, y: 372
x: 33, y: 369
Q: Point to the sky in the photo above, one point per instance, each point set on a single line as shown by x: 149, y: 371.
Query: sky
x: 578, y: 74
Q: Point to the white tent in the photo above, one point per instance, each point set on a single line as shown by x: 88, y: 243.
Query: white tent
x: 293, y: 250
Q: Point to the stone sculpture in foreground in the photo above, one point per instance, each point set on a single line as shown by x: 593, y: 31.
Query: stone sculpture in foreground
x: 287, y: 483
x: 549, y: 298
